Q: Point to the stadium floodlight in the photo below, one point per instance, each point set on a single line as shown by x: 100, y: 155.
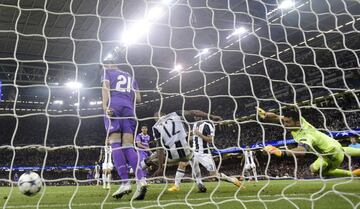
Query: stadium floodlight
x: 134, y: 33
x: 76, y: 104
x: 238, y: 31
x: 92, y: 103
x: 58, y: 102
x: 286, y: 4
x: 177, y: 68
x: 204, y: 51
x: 73, y: 85
x: 155, y: 13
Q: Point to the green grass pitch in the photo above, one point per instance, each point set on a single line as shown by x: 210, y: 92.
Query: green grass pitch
x: 275, y: 194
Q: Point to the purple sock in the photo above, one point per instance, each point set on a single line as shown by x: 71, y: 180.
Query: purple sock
x: 133, y: 158
x: 120, y: 161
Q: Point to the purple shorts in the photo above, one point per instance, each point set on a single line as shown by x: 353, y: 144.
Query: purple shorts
x: 143, y: 155
x: 121, y: 125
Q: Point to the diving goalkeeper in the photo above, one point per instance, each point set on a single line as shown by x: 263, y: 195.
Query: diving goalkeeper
x: 331, y: 153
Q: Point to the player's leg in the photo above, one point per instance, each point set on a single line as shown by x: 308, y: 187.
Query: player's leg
x: 108, y: 179
x: 208, y: 162
x: 196, y: 173
x: 180, y: 173
x: 253, y: 167
x: 329, y: 167
x: 132, y: 155
x: 353, y: 152
x: 103, y: 177
x: 113, y: 128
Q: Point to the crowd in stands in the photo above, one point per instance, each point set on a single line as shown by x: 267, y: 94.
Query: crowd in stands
x: 78, y: 147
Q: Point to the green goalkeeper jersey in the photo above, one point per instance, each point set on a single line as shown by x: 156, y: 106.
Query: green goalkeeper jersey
x: 315, y: 139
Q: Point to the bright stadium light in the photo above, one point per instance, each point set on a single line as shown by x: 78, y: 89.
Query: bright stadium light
x: 286, y: 4
x: 134, y: 33
x: 73, y: 85
x: 238, y: 31
x: 92, y: 103
x: 76, y: 104
x: 155, y: 13
x: 204, y: 51
x: 177, y: 68
x: 58, y: 102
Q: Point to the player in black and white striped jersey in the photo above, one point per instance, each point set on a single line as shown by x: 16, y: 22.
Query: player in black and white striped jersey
x: 203, y: 137
x: 171, y: 135
x: 248, y: 161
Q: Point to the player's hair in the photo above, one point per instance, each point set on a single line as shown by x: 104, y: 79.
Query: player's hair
x: 159, y: 113
x: 144, y: 125
x: 292, y: 113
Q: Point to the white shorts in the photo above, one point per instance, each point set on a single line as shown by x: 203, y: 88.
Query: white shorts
x: 107, y: 166
x: 97, y: 176
x: 249, y: 166
x: 205, y: 160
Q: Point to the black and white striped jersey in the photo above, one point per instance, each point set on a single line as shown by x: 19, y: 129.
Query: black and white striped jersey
x: 207, y: 129
x: 170, y: 133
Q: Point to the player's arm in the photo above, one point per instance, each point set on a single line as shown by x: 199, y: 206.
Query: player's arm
x: 207, y: 134
x: 242, y: 160
x: 256, y: 160
x: 298, y: 151
x: 202, y: 114
x: 101, y: 155
x: 269, y: 116
x: 105, y: 97
x: 139, y: 144
x: 138, y: 97
x: 137, y: 92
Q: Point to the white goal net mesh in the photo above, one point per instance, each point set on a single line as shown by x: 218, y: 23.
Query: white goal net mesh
x: 223, y: 57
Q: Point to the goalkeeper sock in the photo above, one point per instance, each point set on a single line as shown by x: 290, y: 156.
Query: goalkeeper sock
x: 354, y: 152
x: 108, y: 179
x: 103, y: 178
x: 338, y: 173
x: 178, y: 177
x: 120, y: 161
x: 226, y: 178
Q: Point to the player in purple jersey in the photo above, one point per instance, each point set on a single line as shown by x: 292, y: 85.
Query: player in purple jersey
x: 142, y: 141
x: 119, y: 94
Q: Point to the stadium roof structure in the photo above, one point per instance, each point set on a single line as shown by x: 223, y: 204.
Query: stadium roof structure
x: 254, y: 48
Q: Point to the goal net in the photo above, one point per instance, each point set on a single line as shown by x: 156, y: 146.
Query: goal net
x: 223, y: 57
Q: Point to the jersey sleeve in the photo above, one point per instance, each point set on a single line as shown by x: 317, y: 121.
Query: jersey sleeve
x: 208, y: 130
x: 138, y: 138
x: 307, y: 142
x: 156, y: 133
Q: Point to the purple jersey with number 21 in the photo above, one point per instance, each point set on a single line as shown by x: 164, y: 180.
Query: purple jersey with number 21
x: 122, y: 95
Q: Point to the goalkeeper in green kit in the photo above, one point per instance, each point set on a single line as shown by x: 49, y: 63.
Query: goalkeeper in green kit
x: 331, y: 153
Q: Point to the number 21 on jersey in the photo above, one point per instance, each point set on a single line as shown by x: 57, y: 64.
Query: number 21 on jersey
x: 124, y: 83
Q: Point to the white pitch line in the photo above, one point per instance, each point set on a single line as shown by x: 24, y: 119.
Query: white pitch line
x: 154, y: 201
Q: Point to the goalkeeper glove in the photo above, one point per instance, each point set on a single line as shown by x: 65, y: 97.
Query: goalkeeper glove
x: 261, y: 112
x: 273, y: 150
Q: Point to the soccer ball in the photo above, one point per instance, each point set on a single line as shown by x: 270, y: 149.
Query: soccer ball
x: 30, y: 183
